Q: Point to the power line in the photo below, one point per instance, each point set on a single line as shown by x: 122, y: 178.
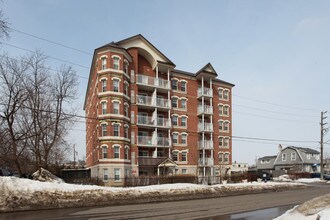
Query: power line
x: 268, y: 139
x: 283, y: 113
x: 54, y: 58
x: 48, y: 68
x: 275, y: 104
x: 50, y: 41
x: 280, y: 119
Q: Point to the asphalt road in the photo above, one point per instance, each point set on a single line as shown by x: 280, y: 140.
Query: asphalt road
x: 189, y: 209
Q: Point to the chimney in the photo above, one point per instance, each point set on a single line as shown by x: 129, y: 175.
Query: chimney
x: 279, y: 148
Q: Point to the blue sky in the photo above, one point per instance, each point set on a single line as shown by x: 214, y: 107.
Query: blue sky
x: 275, y: 52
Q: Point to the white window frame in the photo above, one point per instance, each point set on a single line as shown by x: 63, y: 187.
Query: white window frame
x: 116, y: 85
x: 105, y: 174
x: 175, y: 83
x: 293, y: 156
x: 104, y: 108
x: 183, y: 86
x: 184, y: 106
x: 185, y: 121
x: 184, y: 140
x: 175, y: 140
x: 284, y: 156
x: 104, y: 152
x: 103, y: 63
x: 116, y: 107
x: 104, y: 130
x: 116, y: 153
x: 116, y: 174
x: 116, y: 125
x: 116, y: 62
x: 104, y: 85
x: 186, y: 156
x: 175, y: 117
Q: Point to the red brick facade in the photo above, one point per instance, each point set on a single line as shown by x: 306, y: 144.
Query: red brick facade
x: 144, y: 117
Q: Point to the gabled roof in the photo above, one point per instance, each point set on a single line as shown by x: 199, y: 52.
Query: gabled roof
x: 140, y: 37
x: 208, y: 68
x: 152, y: 162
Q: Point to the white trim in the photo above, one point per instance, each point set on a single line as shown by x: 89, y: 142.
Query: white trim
x: 112, y: 78
x: 104, y: 123
x: 126, y: 125
x: 116, y: 100
x: 103, y: 100
x: 104, y: 145
x: 103, y: 56
x: 103, y: 78
x: 113, y: 56
x: 113, y: 123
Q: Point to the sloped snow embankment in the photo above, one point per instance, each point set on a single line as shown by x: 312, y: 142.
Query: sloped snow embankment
x: 318, y: 208
x: 24, y: 194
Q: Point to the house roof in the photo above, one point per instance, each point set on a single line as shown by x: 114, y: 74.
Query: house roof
x: 267, y: 157
x: 307, y: 150
x: 152, y: 162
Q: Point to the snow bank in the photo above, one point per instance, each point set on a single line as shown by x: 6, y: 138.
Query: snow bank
x: 46, y: 176
x: 310, y: 180
x: 24, y: 194
x: 318, y: 208
x: 282, y: 178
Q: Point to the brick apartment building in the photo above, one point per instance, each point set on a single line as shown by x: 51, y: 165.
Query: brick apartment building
x: 144, y: 117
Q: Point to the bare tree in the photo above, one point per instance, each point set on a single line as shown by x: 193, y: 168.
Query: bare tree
x: 4, y: 26
x: 49, y: 103
x: 12, y: 98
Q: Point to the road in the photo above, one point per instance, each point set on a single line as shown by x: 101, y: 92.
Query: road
x: 189, y: 209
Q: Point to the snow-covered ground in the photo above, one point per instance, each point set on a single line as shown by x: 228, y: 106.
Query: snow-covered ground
x: 310, y: 180
x: 318, y: 208
x: 24, y: 194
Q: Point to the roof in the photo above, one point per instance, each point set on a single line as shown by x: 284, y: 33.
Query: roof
x: 208, y: 68
x: 147, y: 161
x: 267, y: 157
x: 307, y: 150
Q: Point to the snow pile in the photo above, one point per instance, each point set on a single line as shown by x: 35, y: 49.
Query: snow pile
x: 46, y: 176
x: 310, y: 180
x: 283, y: 178
x: 318, y: 208
x: 24, y: 194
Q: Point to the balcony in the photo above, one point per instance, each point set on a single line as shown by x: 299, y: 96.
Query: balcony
x: 206, y: 144
x: 153, y: 82
x: 153, y: 141
x: 148, y: 121
x: 206, y: 109
x: 206, y: 127
x: 205, y: 162
x: 206, y: 92
x: 151, y: 101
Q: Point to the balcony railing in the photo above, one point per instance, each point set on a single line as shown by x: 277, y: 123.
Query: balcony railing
x: 152, y: 81
x: 206, y: 144
x: 145, y: 140
x: 153, y: 101
x: 206, y: 162
x: 153, y: 141
x: 149, y: 121
x: 206, y: 127
x: 205, y: 92
x: 206, y: 109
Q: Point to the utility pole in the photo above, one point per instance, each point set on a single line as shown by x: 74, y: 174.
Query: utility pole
x: 74, y: 156
x: 323, y: 130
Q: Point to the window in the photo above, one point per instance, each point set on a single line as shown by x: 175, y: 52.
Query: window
x: 126, y: 89
x: 184, y: 156
x: 104, y: 108
x: 308, y: 156
x: 284, y: 157
x: 220, y: 141
x: 183, y: 103
x: 226, y: 159
x: 184, y: 139
x: 104, y: 130
x: 126, y: 68
x: 293, y: 156
x: 220, y: 157
x: 143, y: 153
x: 104, y: 63
x: 184, y: 121
x: 126, y: 153
x: 126, y: 132
x: 226, y: 126
x: 115, y: 85
x: 184, y: 171
x: 175, y: 84
x: 221, y: 125
x: 116, y: 152
x: 116, y: 130
x: 175, y: 138
x: 116, y: 63
x: 226, y: 110
x: 105, y: 174
x: 115, y: 108
x: 175, y: 155
x: 126, y: 111
x: 104, y: 152
x: 226, y: 142
x: 174, y: 102
x: 117, y: 174
x: 226, y: 94
x: 220, y: 93
x: 183, y: 86
x: 104, y: 85
x: 220, y: 109
x: 175, y: 120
